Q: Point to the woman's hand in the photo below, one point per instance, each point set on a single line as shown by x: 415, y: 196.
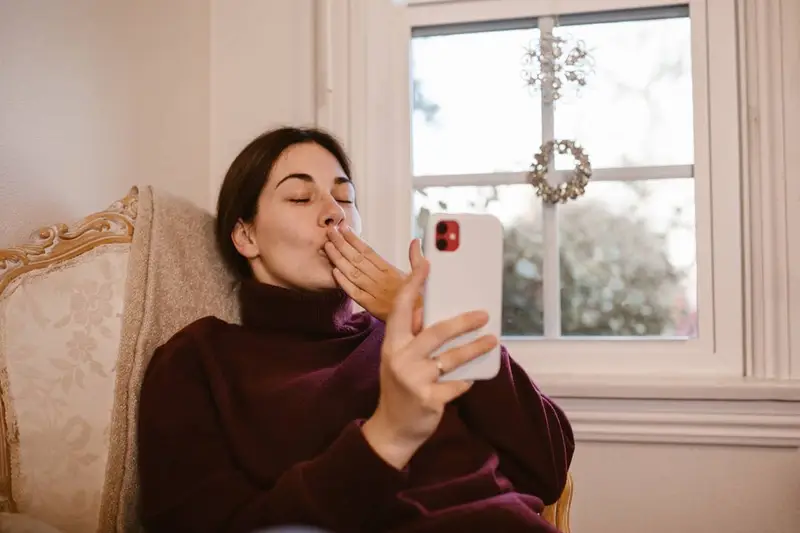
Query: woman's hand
x: 365, y: 276
x: 412, y: 399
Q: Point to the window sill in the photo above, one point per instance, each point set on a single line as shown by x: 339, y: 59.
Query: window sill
x: 667, y: 388
x: 703, y: 411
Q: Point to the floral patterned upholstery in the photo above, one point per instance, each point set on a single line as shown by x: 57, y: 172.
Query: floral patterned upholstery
x: 60, y: 338
x: 61, y: 305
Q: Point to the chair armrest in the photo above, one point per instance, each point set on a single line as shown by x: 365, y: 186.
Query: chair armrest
x: 558, y: 513
x: 22, y: 523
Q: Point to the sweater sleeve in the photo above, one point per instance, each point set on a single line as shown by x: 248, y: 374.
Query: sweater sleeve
x: 529, y: 432
x: 191, y: 483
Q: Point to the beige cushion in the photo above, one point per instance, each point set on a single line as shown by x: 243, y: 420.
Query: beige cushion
x: 175, y: 277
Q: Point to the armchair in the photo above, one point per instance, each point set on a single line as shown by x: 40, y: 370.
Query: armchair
x: 82, y: 306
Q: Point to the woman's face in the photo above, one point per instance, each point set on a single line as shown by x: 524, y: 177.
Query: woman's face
x: 306, y: 192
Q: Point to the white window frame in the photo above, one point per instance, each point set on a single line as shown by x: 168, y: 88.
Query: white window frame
x: 716, y: 351
x: 362, y: 74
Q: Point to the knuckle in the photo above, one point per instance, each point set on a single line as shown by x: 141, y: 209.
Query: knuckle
x: 470, y: 322
x: 457, y: 326
x: 487, y: 342
x: 445, y: 327
x: 469, y: 351
x: 462, y: 354
x: 355, y: 273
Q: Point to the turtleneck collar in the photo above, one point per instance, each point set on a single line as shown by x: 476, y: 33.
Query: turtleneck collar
x: 271, y: 308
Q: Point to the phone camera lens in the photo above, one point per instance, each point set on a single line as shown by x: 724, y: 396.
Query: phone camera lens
x: 441, y: 244
x: 441, y: 228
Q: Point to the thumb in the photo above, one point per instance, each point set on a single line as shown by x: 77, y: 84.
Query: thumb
x: 401, y: 320
x: 416, y: 323
x: 415, y: 257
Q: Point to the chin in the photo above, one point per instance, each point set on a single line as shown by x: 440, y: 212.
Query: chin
x: 327, y: 285
x: 319, y: 281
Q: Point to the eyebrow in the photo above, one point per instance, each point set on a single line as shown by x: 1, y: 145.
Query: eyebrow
x: 307, y: 178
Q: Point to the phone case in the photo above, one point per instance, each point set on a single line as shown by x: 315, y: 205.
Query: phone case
x: 466, y: 278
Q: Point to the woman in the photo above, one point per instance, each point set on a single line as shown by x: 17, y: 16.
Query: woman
x: 309, y: 413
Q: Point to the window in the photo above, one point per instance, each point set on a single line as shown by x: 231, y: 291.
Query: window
x: 640, y: 275
x: 624, y: 254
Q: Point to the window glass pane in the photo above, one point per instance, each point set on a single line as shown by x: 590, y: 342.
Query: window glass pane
x: 628, y: 263
x: 520, y: 213
x: 636, y: 108
x: 472, y: 110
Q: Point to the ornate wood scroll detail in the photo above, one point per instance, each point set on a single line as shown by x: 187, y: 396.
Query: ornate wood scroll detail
x: 558, y: 513
x: 60, y: 242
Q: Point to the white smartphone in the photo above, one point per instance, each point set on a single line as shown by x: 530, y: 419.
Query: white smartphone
x: 465, y: 252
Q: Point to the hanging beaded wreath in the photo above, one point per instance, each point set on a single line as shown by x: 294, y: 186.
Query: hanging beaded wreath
x: 572, y: 188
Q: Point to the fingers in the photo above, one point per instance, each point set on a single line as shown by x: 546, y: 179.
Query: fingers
x: 455, y: 357
x: 351, y: 263
x: 345, y: 266
x: 435, y: 336
x: 425, y: 374
x: 356, y: 250
x: 415, y: 252
x: 416, y: 323
x: 365, y: 249
x: 401, y: 321
x: 353, y: 291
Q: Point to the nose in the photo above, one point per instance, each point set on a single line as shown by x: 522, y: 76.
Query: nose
x: 332, y: 214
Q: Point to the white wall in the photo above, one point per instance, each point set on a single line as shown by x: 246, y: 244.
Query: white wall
x: 630, y: 487
x: 262, y: 73
x: 96, y: 96
x: 668, y: 488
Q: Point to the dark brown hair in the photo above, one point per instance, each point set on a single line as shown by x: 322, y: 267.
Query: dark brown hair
x: 246, y: 177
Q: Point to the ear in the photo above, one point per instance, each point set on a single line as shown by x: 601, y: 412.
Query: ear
x: 244, y: 240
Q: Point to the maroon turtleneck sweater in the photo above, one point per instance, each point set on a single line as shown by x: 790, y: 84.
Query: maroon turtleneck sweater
x: 251, y: 426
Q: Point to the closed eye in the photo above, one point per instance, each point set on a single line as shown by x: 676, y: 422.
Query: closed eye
x: 300, y: 200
